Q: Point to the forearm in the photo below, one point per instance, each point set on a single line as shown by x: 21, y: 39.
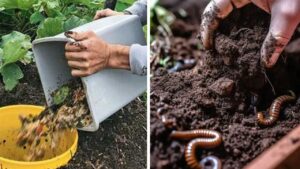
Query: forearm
x: 133, y: 58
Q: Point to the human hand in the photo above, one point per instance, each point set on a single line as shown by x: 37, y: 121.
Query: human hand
x: 285, y: 16
x: 105, y: 13
x: 90, y: 54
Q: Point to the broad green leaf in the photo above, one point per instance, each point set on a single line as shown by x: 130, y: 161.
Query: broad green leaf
x: 17, y: 37
x: 73, y: 22
x: 17, y: 4
x: 11, y: 74
x: 53, y: 8
x: 12, y: 52
x: 127, y: 1
x: 121, y: 6
x: 15, y: 47
x: 36, y: 17
x: 50, y: 27
x: 60, y: 95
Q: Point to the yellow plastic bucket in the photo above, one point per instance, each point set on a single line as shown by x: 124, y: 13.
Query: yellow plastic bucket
x: 11, y: 155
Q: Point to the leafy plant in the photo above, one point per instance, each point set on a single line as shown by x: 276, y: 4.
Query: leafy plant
x: 160, y: 17
x: 14, y: 48
x: 60, y: 95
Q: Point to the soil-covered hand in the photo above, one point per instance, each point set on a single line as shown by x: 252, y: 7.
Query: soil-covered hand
x: 285, y: 16
x: 89, y: 54
x: 105, y: 13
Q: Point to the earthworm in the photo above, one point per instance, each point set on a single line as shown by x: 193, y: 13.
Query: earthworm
x: 274, y: 109
x: 211, y: 139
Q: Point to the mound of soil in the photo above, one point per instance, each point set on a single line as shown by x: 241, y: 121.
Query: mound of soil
x: 219, y: 92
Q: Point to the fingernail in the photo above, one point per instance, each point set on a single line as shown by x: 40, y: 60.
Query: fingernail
x: 68, y: 33
x: 75, y: 43
x: 78, y: 44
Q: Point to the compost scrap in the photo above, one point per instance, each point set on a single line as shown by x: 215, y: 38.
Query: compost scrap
x: 69, y: 111
x: 221, y: 91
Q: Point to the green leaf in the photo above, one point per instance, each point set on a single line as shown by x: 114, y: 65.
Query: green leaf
x: 124, y: 4
x: 15, y: 47
x: 73, y: 22
x: 18, y: 37
x: 11, y: 75
x: 121, y: 6
x: 164, y: 62
x: 60, y: 95
x: 28, y: 58
x: 54, y: 13
x: 50, y: 27
x: 36, y: 17
x: 13, y: 52
x: 51, y: 4
x: 127, y: 1
x: 17, y: 4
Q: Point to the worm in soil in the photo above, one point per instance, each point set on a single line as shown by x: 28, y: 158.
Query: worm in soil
x: 275, y: 109
x: 211, y: 139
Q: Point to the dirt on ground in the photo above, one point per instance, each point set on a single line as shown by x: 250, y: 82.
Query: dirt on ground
x: 120, y: 142
x: 220, y: 90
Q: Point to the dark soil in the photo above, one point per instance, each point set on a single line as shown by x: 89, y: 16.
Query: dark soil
x: 28, y: 91
x: 217, y: 92
x: 119, y: 143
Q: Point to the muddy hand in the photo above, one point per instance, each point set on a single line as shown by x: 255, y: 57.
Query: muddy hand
x: 90, y: 54
x: 285, y: 16
x: 87, y: 55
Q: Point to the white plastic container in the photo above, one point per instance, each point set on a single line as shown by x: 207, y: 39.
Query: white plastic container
x: 108, y: 90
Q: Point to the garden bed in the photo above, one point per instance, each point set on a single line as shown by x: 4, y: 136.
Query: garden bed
x: 113, y: 146
x: 194, y: 100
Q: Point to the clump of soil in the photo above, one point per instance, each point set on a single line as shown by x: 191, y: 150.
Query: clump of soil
x: 218, y: 92
x: 69, y: 111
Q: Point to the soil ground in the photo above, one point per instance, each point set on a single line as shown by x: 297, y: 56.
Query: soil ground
x: 195, y: 99
x: 120, y: 142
